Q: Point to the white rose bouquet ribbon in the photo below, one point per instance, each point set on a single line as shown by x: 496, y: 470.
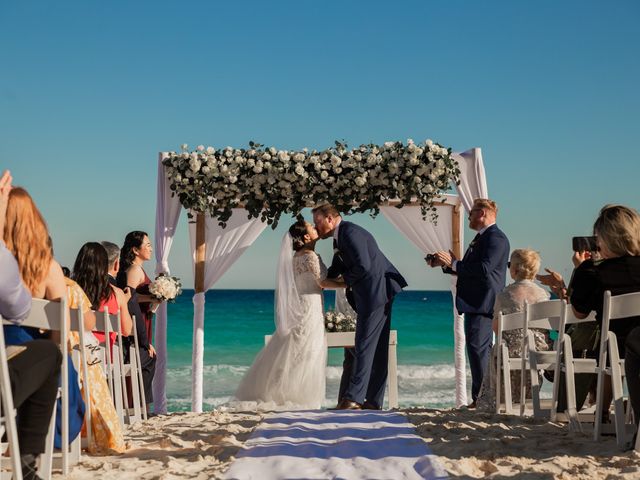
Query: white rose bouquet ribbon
x: 165, y: 288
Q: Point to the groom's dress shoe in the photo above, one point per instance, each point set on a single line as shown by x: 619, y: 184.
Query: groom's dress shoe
x: 367, y: 405
x: 346, y: 404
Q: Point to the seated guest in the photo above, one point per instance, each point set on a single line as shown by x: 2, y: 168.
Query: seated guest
x: 107, y: 436
x: 617, y: 231
x: 523, y: 266
x: 27, y: 238
x: 147, y: 352
x: 34, y: 372
x: 135, y: 251
x: 90, y: 272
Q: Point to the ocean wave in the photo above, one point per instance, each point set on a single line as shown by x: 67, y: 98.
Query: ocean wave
x: 418, y: 385
x: 405, y: 372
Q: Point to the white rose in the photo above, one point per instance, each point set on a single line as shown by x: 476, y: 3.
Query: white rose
x: 299, y: 170
x: 184, y: 146
x: 324, y: 175
x: 360, y: 181
x: 257, y: 169
x: 194, y: 164
x: 200, y: 148
x: 211, y: 150
x: 233, y: 179
x: 429, y: 143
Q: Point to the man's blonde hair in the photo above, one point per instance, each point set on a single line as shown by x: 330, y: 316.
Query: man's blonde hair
x: 326, y: 210
x: 526, y: 263
x: 486, y: 204
x: 618, y: 227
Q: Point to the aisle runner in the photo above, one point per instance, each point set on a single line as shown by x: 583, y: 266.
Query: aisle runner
x: 320, y: 444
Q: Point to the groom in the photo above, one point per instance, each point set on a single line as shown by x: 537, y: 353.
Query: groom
x: 373, y: 281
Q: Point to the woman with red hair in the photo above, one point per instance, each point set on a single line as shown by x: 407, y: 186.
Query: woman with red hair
x: 27, y: 238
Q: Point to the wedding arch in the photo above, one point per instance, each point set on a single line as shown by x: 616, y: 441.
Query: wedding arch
x: 234, y: 194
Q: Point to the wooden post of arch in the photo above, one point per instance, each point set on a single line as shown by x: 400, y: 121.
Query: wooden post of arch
x: 200, y: 253
x: 455, y: 230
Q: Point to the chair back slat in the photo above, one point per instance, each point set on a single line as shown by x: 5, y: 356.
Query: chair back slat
x: 546, y: 315
x: 623, y: 306
x: 45, y: 314
x: 571, y: 318
x: 511, y: 321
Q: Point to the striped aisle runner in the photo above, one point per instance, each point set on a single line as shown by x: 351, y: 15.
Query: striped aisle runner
x: 321, y: 444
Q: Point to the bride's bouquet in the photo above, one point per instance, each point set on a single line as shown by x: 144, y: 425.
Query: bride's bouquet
x: 165, y: 288
x: 339, y: 322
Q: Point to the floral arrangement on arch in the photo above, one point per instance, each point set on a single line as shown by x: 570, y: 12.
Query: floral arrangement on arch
x: 268, y: 182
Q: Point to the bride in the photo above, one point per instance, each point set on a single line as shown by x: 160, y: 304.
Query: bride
x: 289, y: 372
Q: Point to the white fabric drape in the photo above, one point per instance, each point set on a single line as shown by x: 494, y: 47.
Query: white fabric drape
x: 223, y: 248
x: 167, y: 214
x: 473, y: 182
x: 430, y: 238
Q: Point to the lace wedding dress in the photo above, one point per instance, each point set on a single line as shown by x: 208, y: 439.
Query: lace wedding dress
x: 289, y: 372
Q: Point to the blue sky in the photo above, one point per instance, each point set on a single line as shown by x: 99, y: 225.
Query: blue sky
x: 91, y: 91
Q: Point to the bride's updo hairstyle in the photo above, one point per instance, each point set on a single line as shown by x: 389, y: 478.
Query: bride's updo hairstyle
x: 297, y: 231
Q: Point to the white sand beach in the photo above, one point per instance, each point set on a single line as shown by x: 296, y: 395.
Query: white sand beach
x: 469, y: 444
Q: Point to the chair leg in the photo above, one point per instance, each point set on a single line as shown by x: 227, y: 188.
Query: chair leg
x: 135, y: 387
x: 557, y: 370
x: 616, y: 383
x: 535, y: 383
x: 597, y: 421
x: 498, y: 376
x: 570, y: 387
x: 46, y: 459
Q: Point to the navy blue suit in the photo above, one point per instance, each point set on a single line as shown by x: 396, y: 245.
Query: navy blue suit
x: 373, y: 281
x: 481, y: 276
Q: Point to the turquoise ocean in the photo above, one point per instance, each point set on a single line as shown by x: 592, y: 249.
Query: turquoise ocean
x: 236, y: 322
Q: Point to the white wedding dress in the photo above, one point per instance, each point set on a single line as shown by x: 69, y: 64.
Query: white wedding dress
x: 289, y: 372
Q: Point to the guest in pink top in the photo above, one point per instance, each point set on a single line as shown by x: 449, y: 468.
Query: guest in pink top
x: 90, y: 272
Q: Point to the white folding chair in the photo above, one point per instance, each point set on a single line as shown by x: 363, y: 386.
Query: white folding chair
x: 505, y: 363
x: 80, y: 360
x: 614, y: 307
x: 134, y: 371
x: 53, y: 315
x: 114, y: 362
x: 547, y: 315
x: 570, y: 366
x: 8, y: 418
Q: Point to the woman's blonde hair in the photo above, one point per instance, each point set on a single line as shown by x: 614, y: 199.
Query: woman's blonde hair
x: 618, y: 227
x: 526, y: 263
x: 27, y: 237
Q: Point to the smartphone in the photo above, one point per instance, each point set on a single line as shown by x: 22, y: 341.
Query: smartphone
x: 584, y: 244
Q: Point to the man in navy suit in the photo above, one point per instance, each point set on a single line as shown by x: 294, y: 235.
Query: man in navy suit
x: 373, y: 282
x: 481, y: 276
